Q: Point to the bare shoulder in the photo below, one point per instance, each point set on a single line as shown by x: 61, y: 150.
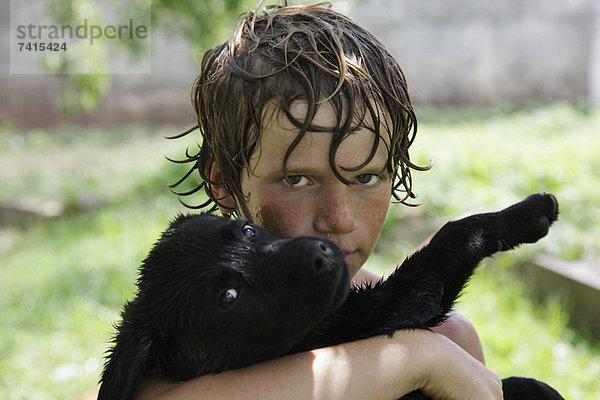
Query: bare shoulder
x: 364, y: 276
x: 462, y: 332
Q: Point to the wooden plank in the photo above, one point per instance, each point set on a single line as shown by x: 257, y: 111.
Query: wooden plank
x: 576, y: 282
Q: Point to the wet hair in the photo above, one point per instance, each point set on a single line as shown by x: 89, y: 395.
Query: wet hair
x: 281, y: 54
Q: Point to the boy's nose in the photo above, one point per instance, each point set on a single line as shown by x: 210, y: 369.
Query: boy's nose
x: 335, y: 214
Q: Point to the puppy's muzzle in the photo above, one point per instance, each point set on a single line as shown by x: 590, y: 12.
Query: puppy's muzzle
x: 322, y: 257
x: 317, y: 257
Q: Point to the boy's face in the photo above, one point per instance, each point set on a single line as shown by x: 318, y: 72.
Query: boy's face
x: 310, y: 200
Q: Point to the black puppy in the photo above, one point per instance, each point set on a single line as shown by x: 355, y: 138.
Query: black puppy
x: 215, y: 294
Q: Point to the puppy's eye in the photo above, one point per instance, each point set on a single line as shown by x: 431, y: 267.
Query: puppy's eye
x: 228, y: 297
x: 249, y: 231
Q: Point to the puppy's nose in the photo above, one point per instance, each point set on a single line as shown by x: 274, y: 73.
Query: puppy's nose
x: 322, y: 256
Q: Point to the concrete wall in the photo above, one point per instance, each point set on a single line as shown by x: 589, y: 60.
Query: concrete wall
x: 162, y: 96
x: 452, y: 51
x: 484, y: 51
x: 594, y: 63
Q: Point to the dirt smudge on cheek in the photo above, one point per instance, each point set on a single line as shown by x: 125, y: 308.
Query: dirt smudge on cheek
x: 267, y: 217
x: 282, y: 219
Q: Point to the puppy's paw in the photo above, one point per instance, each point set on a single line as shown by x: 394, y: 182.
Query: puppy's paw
x: 546, y: 203
x: 527, y: 221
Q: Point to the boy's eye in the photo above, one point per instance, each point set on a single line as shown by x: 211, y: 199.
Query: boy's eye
x: 296, y: 180
x: 367, y: 179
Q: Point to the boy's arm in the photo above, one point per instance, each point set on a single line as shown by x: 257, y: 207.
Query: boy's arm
x: 378, y: 367
x: 462, y: 332
x: 457, y: 328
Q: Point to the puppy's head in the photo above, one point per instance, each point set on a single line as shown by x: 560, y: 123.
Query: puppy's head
x: 235, y: 293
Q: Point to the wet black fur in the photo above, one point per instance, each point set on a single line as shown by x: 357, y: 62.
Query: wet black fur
x: 293, y: 294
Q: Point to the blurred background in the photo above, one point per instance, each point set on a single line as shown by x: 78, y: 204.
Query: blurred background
x: 508, y: 100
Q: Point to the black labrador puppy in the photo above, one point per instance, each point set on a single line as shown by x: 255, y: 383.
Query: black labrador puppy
x: 217, y: 294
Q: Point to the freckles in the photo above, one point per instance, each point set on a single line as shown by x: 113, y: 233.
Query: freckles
x: 381, y: 206
x: 378, y: 210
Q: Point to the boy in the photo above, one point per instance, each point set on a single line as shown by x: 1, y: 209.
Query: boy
x: 306, y: 124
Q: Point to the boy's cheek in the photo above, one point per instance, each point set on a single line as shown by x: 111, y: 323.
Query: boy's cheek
x: 267, y: 217
x: 284, y: 218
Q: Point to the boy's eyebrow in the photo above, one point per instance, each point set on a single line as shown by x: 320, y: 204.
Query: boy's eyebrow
x: 291, y: 169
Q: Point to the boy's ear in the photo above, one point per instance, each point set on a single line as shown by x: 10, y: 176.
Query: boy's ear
x: 227, y: 203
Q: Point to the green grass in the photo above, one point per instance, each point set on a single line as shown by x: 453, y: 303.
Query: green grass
x: 64, y: 280
x: 498, y: 159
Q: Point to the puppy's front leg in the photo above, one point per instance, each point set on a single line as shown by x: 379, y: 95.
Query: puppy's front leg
x: 420, y: 293
x: 430, y: 281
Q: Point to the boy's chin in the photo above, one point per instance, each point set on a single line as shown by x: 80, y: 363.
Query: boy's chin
x: 354, y: 261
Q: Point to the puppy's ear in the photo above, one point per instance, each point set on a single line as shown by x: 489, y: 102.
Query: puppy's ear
x: 127, y: 364
x: 179, y: 219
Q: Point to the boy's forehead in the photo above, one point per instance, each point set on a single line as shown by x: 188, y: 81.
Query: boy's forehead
x: 278, y: 133
x: 325, y: 117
